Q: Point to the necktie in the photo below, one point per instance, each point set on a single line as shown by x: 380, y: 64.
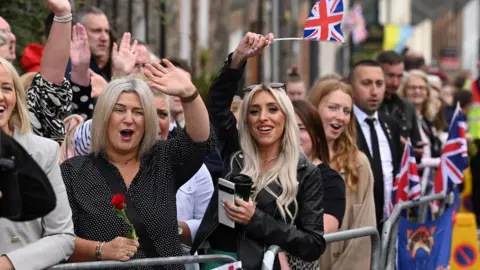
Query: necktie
x: 376, y: 164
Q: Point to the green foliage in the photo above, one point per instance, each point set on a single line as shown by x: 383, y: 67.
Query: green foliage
x: 26, y: 19
x: 206, y: 77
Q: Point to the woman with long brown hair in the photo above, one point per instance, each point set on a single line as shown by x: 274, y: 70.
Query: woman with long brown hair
x: 314, y: 146
x: 334, y: 102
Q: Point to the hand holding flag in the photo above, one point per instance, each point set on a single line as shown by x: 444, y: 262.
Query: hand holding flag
x: 251, y: 45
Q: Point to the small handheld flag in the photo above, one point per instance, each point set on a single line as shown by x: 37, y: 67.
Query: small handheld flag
x: 325, y: 21
x: 454, y: 159
x: 407, y: 182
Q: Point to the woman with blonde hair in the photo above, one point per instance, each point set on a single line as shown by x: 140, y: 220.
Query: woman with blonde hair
x: 334, y: 102
x: 42, y: 242
x: 285, y: 206
x: 126, y: 158
x: 416, y: 88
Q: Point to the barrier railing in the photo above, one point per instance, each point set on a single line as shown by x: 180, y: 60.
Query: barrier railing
x: 272, y: 252
x: 390, y: 228
x: 146, y: 262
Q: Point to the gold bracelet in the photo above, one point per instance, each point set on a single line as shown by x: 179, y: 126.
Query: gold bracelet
x: 98, y: 250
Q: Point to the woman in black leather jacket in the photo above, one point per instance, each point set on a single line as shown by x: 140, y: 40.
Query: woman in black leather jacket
x: 286, y: 206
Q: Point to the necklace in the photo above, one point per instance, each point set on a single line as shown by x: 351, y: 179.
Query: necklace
x: 124, y: 163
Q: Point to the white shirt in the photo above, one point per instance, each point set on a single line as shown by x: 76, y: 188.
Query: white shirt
x: 193, y: 198
x: 172, y: 125
x: 385, y: 154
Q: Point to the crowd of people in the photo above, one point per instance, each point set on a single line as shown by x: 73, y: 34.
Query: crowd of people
x: 102, y: 118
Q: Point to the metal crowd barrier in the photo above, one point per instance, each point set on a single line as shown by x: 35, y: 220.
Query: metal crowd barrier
x: 272, y: 252
x: 390, y: 228
x: 146, y: 262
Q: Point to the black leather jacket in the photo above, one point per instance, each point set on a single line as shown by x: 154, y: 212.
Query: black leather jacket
x: 304, y: 238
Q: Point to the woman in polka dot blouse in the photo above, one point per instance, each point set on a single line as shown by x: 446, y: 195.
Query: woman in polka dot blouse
x: 124, y: 135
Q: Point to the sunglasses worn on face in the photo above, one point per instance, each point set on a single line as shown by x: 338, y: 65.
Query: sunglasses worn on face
x: 278, y: 86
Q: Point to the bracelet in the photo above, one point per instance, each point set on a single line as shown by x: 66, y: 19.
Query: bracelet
x: 63, y: 19
x: 190, y: 98
x: 98, y: 250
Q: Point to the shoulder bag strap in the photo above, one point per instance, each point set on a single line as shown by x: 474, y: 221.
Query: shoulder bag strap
x: 132, y: 214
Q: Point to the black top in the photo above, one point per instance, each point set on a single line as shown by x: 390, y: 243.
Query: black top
x: 163, y: 170
x: 333, y: 192
x: 82, y: 101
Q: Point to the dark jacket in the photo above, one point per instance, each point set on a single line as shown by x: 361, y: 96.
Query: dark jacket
x: 267, y: 227
x: 212, y: 160
x: 403, y: 112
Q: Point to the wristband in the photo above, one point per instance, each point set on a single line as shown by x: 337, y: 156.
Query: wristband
x: 63, y: 19
x: 98, y: 250
x: 190, y: 98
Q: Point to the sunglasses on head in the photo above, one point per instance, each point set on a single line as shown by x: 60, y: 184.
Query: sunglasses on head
x: 278, y: 86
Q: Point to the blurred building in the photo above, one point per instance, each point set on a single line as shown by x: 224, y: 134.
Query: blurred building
x: 205, y: 31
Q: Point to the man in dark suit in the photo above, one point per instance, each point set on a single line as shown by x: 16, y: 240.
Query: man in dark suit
x: 378, y: 136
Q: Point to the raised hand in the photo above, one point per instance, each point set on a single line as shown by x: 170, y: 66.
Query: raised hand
x: 98, y: 83
x: 251, y: 45
x: 170, y: 80
x: 123, y: 58
x: 80, y: 50
x: 60, y: 7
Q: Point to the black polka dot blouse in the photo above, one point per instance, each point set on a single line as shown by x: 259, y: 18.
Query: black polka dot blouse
x: 163, y: 170
x: 82, y: 103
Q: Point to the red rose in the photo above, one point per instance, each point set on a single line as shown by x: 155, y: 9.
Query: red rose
x: 118, y: 201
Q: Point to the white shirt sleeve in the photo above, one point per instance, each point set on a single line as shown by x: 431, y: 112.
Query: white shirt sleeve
x: 192, y: 206
x: 82, y: 139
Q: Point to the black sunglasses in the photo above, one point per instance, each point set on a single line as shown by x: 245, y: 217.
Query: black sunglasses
x: 278, y: 86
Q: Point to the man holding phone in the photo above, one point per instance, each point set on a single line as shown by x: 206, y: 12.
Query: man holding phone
x: 400, y: 109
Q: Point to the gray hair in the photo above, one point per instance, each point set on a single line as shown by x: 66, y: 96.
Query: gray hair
x: 104, y: 108
x: 284, y: 171
x: 165, y: 97
x: 435, y: 79
x: 87, y: 10
x: 4, y: 38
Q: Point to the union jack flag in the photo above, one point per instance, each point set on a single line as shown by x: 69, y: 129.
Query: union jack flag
x: 325, y: 21
x: 454, y: 159
x: 407, y: 182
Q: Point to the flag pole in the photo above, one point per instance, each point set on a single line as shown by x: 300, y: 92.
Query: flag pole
x: 298, y: 38
x: 292, y: 38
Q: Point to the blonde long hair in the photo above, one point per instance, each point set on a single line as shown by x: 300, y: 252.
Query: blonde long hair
x: 19, y: 119
x: 284, y: 171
